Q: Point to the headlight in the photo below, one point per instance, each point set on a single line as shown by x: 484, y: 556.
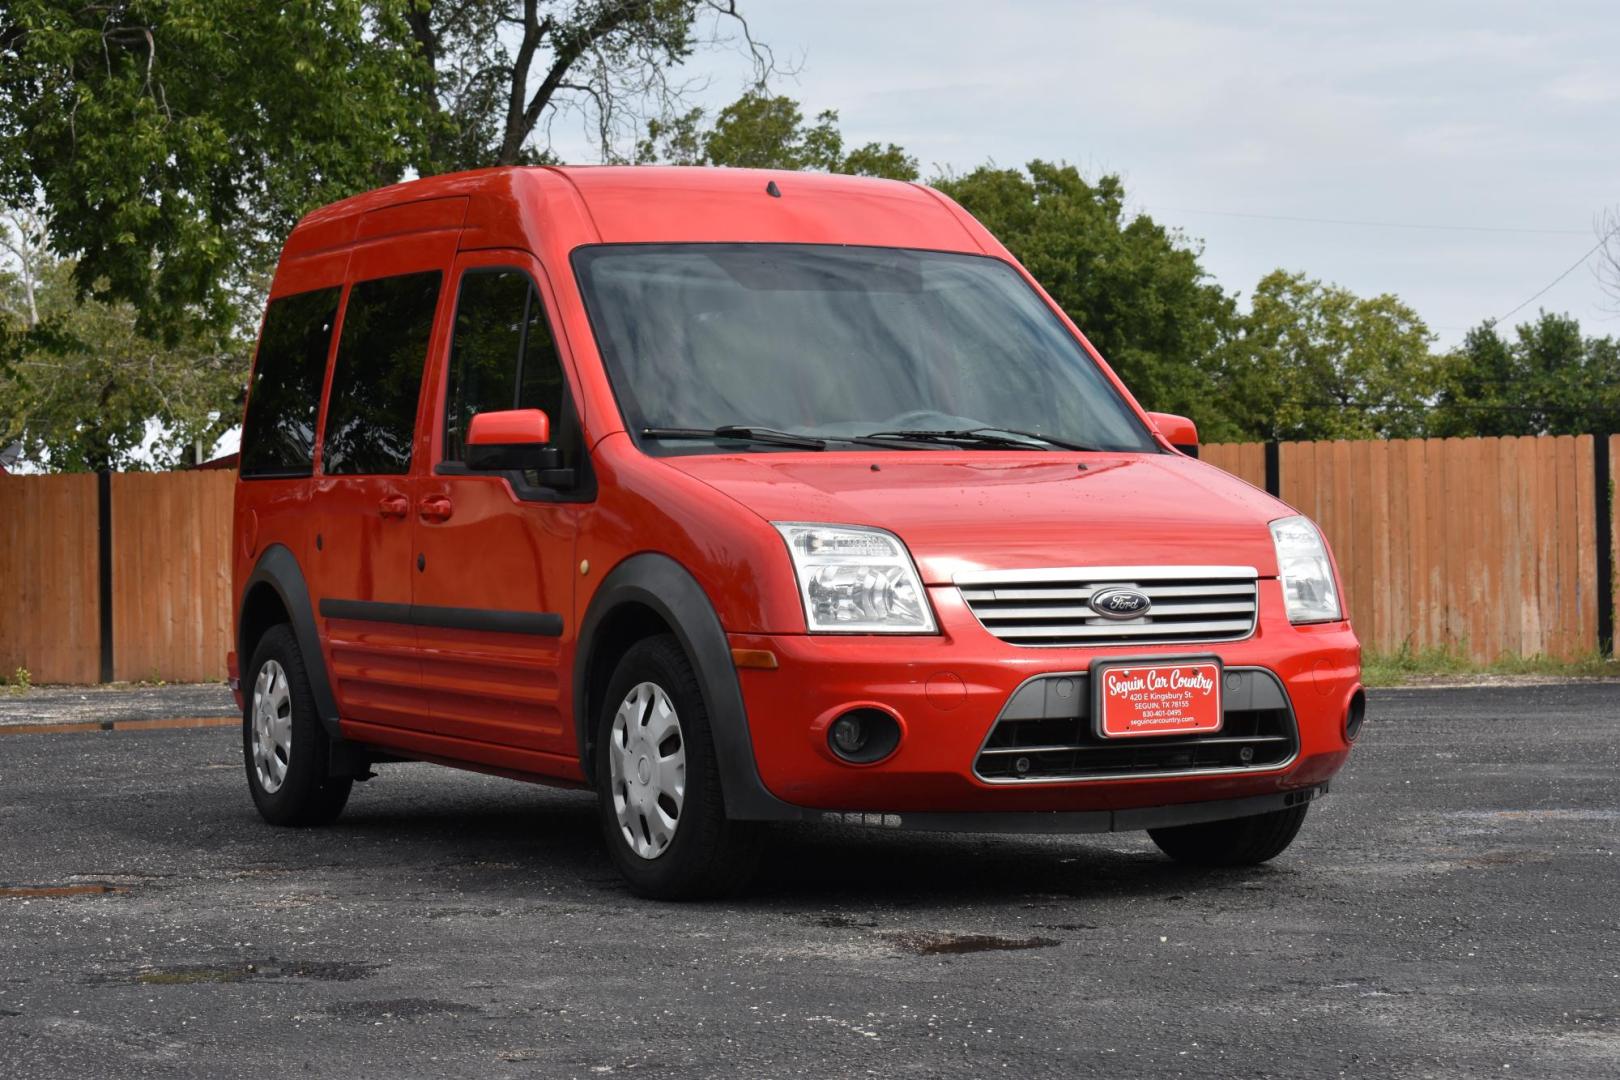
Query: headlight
x: 1305, y: 570
x: 856, y: 580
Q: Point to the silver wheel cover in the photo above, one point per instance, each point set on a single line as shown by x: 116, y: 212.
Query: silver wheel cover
x: 272, y: 727
x: 647, y: 769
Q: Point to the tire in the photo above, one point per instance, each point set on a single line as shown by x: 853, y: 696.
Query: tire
x: 290, y: 785
x: 1245, y: 841
x: 649, y: 767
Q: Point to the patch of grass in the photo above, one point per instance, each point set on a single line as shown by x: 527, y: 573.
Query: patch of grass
x: 19, y: 682
x: 1407, y: 664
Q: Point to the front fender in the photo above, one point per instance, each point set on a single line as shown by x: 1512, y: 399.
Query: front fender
x: 664, y: 586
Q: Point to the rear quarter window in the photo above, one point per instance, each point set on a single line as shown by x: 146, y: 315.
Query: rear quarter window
x: 284, y: 394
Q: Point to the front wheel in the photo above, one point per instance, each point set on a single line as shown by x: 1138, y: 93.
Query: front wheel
x: 1244, y: 841
x: 283, y: 744
x: 658, y: 784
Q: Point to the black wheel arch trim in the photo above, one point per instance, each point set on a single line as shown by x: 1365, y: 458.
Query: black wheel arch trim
x: 667, y: 588
x: 278, y: 568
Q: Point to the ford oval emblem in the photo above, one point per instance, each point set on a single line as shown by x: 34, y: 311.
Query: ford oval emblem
x: 1120, y: 602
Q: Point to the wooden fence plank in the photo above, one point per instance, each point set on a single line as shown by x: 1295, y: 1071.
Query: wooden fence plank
x: 1585, y: 593
x: 1380, y: 571
x: 1504, y: 503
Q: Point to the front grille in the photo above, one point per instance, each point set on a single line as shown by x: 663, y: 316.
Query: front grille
x: 1045, y: 733
x: 1051, y: 607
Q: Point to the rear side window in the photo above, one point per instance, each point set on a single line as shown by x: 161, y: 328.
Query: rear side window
x: 504, y: 357
x: 278, y: 433
x: 377, y: 376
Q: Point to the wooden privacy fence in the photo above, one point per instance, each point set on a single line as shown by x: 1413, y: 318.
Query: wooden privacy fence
x: 1491, y: 546
x: 161, y: 564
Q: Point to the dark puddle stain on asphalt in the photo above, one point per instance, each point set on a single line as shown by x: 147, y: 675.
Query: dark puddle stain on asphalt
x: 245, y: 971
x: 845, y: 922
x: 29, y: 892
x: 1069, y: 926
x: 923, y: 943
x: 397, y: 1009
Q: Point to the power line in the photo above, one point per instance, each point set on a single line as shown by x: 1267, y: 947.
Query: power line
x: 1604, y: 239
x: 1372, y: 224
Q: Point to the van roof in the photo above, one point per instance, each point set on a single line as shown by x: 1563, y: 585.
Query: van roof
x: 524, y: 206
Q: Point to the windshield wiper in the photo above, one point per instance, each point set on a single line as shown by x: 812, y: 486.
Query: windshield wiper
x: 982, y: 436
x: 765, y: 436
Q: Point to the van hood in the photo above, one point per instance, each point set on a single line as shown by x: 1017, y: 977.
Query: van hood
x: 960, y: 512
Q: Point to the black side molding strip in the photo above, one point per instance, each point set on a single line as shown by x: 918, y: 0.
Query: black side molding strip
x: 366, y: 611
x: 539, y: 623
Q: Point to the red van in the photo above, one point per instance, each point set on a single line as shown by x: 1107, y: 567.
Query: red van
x: 744, y: 496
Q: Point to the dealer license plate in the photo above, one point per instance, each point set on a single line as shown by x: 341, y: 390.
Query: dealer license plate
x: 1132, y: 700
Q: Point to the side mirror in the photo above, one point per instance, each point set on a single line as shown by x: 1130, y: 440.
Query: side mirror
x: 513, y: 439
x: 1178, y: 431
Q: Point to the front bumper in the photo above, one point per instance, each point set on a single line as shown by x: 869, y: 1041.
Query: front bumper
x: 948, y: 690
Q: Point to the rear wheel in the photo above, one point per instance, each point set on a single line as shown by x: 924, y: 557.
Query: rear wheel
x: 284, y: 746
x: 658, y: 784
x: 1245, y: 841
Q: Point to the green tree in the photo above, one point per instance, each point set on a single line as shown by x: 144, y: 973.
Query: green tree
x: 1135, y: 288
x: 1316, y: 361
x: 176, y: 141
x: 759, y: 131
x: 1546, y: 379
x: 80, y: 386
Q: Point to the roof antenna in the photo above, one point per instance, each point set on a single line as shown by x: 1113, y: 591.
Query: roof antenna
x: 772, y: 190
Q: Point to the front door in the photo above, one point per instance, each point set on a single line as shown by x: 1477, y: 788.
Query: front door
x: 497, y: 549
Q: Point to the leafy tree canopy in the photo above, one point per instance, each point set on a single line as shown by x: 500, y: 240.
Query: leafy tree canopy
x: 176, y: 141
x: 1544, y: 379
x: 758, y: 131
x: 1316, y: 361
x: 80, y: 388
x: 1135, y: 288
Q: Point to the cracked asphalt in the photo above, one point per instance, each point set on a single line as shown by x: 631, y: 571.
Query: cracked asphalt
x: 1449, y: 910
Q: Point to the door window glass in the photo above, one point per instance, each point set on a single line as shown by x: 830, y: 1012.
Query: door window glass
x: 278, y: 432
x: 503, y: 356
x: 371, y: 418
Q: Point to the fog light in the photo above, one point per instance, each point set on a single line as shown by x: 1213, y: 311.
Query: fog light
x: 1354, y: 715
x: 862, y: 736
x: 849, y: 734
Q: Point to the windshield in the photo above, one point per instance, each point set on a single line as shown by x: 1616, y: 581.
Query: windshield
x: 840, y: 343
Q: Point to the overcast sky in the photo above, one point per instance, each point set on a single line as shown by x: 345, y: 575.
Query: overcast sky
x: 1491, y: 116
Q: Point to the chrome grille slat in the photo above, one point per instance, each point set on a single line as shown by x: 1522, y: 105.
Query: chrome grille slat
x: 1047, y: 607
x: 1234, y: 607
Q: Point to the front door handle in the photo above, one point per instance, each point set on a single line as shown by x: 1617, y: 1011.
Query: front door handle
x: 435, y: 508
x: 394, y: 506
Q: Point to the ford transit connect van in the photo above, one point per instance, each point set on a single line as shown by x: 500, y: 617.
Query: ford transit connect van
x: 740, y: 497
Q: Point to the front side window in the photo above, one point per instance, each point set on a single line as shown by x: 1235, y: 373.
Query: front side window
x: 841, y: 343
x: 377, y: 376
x: 503, y: 356
x: 278, y: 432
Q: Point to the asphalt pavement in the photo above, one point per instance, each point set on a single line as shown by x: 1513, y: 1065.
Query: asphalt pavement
x: 1449, y: 910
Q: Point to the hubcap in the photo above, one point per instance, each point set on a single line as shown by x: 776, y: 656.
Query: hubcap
x: 647, y: 769
x: 272, y: 727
